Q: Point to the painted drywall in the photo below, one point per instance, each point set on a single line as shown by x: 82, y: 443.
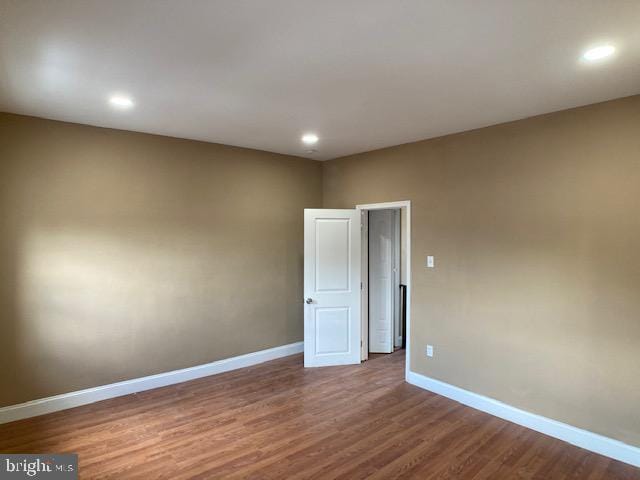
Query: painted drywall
x: 535, y: 228
x: 125, y: 254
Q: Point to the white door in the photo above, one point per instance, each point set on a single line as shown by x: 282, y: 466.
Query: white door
x: 381, y: 280
x: 331, y: 287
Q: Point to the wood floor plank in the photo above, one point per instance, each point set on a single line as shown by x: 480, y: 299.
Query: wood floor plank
x: 278, y: 420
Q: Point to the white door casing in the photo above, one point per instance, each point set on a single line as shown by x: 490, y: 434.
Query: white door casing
x: 364, y: 282
x: 331, y: 287
x: 405, y: 224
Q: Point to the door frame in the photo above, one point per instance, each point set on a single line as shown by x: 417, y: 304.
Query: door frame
x: 406, y: 230
x: 364, y: 285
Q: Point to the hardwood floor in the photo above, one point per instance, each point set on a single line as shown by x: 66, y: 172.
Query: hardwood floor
x: 280, y: 421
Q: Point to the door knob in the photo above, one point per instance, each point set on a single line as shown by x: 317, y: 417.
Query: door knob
x: 308, y: 300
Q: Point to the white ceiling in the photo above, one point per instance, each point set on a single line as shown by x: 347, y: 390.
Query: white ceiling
x: 362, y: 74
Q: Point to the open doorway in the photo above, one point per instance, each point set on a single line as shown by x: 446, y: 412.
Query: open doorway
x: 336, y: 274
x: 385, y: 277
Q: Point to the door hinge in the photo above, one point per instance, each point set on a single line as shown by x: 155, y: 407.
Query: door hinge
x: 361, y: 286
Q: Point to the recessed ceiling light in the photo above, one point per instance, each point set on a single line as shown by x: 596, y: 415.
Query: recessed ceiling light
x: 121, y: 101
x: 310, y: 139
x: 599, y: 52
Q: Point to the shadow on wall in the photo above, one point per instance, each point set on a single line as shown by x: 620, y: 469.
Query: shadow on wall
x: 90, y: 304
x: 126, y: 254
x: 9, y: 310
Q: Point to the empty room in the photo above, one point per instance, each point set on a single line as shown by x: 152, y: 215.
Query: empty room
x: 302, y: 239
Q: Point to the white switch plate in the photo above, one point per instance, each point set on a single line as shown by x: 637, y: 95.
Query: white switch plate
x: 429, y: 350
x: 431, y: 261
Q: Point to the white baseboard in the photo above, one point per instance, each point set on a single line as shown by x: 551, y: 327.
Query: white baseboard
x: 576, y: 436
x: 90, y: 395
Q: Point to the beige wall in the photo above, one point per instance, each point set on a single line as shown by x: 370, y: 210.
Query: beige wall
x: 535, y: 225
x: 124, y: 254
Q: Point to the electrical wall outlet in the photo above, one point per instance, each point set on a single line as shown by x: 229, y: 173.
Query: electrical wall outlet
x: 431, y: 261
x: 429, y: 350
